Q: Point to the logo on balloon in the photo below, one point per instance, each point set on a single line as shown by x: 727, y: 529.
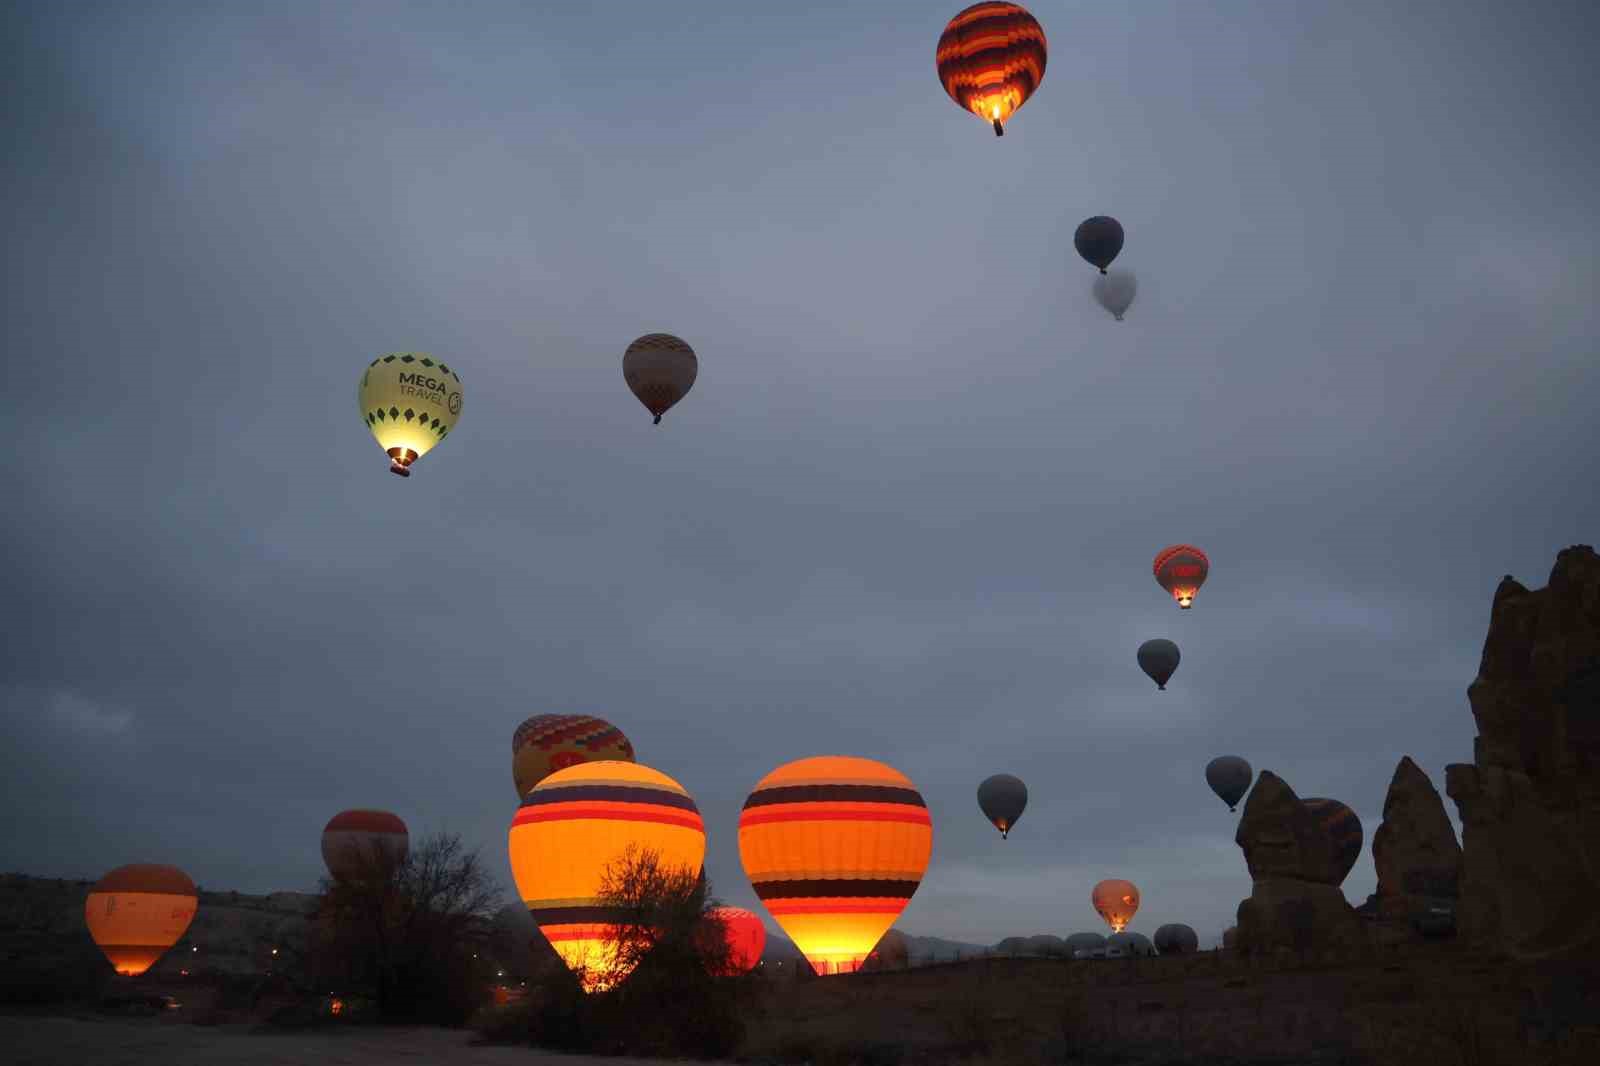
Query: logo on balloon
x: 454, y: 403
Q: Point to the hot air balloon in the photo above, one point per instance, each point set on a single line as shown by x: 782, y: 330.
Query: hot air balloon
x: 1128, y: 945
x: 745, y: 936
x: 1158, y: 659
x: 572, y: 827
x: 835, y: 846
x: 1002, y: 798
x: 1098, y: 240
x: 1082, y: 945
x: 1229, y: 777
x: 1115, y: 292
x: 1117, y: 901
x: 353, y: 842
x: 1175, y: 938
x: 660, y: 369
x: 1181, y: 569
x: 135, y: 913
x: 546, y: 743
x: 990, y: 59
x: 1341, y: 824
x: 411, y: 402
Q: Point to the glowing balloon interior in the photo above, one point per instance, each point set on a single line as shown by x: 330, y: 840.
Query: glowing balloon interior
x: 1117, y: 901
x: 135, y: 913
x: 834, y: 847
x: 410, y: 401
x: 1181, y: 569
x: 990, y: 59
x: 745, y: 937
x: 572, y: 827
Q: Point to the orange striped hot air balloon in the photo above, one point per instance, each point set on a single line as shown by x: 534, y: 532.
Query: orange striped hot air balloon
x: 1181, y: 569
x: 571, y: 827
x: 546, y: 743
x: 135, y: 913
x: 835, y: 846
x: 990, y: 59
x: 1117, y: 901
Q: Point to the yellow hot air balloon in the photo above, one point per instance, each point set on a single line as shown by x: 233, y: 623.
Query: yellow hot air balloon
x: 1117, y: 901
x: 546, y: 743
x: 835, y: 846
x: 571, y: 827
x: 135, y: 913
x: 411, y: 402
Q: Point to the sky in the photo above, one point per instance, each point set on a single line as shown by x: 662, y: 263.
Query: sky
x: 908, y: 510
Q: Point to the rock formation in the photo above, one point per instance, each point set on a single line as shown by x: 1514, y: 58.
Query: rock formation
x: 1415, y: 852
x: 1530, y: 799
x: 1295, y: 903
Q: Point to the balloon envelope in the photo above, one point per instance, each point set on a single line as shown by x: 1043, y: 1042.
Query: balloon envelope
x: 1084, y: 942
x: 546, y: 743
x: 990, y: 59
x: 571, y: 828
x: 1098, y: 240
x: 135, y: 913
x: 410, y: 401
x: 834, y: 846
x: 1002, y: 798
x: 1181, y: 569
x: 1175, y: 938
x: 1229, y: 777
x: 1117, y: 901
x: 746, y: 939
x: 1159, y: 659
x: 354, y: 841
x: 1123, y: 944
x: 660, y: 369
x: 1115, y: 292
x: 1341, y: 824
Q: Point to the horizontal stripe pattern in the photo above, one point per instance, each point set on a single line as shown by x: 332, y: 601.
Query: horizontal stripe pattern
x: 147, y: 877
x: 991, y: 57
x: 548, y: 731
x: 591, y: 915
x: 365, y: 821
x: 836, y: 888
x: 618, y: 812
x: 606, y: 792
x: 849, y: 793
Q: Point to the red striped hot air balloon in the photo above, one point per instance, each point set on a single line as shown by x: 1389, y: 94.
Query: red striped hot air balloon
x: 835, y: 846
x: 571, y: 828
x: 135, y: 913
x: 354, y: 841
x: 990, y: 59
x: 1181, y: 569
x: 744, y: 936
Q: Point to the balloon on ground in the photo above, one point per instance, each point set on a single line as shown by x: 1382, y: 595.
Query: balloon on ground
x: 572, y: 829
x: 1115, y: 291
x: 1128, y: 944
x: 835, y: 846
x: 1181, y: 569
x: 1158, y: 658
x: 660, y: 369
x: 1229, y: 777
x: 135, y: 913
x: 990, y: 59
x: 1002, y: 798
x: 745, y: 938
x: 1117, y: 901
x: 1085, y: 943
x: 357, y: 842
x: 1175, y: 938
x: 546, y: 743
x: 1098, y: 240
x: 410, y: 401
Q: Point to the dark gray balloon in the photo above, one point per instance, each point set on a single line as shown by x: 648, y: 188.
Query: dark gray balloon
x: 1002, y: 798
x: 1084, y: 942
x: 1098, y: 240
x: 1175, y: 938
x: 1125, y: 944
x: 1159, y: 658
x: 1229, y: 777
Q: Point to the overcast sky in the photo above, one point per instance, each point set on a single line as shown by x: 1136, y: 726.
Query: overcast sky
x: 908, y: 510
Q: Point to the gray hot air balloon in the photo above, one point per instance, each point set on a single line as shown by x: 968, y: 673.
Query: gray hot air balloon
x: 1175, y: 938
x: 1159, y: 658
x: 660, y: 369
x: 1085, y: 943
x: 1115, y: 291
x: 1229, y: 777
x: 1125, y: 944
x: 1002, y: 798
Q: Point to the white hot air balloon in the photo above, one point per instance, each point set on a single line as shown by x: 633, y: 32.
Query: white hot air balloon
x: 1115, y: 291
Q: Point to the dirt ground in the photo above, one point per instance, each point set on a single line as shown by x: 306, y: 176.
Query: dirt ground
x: 58, y: 1041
